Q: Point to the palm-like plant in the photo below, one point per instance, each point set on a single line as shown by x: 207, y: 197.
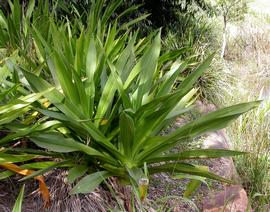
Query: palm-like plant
x: 105, y: 96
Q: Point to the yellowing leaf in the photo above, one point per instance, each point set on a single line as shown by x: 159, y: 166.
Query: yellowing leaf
x: 104, y: 122
x: 47, y: 104
x: 143, y: 187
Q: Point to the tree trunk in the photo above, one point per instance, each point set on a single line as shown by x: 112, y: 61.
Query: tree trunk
x: 224, y: 42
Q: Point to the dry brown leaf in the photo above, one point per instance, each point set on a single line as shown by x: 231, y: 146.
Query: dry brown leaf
x: 42, y: 186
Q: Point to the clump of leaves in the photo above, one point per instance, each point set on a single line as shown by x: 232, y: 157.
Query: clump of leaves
x: 108, y: 95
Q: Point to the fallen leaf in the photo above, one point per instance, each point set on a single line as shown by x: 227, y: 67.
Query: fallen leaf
x: 42, y: 186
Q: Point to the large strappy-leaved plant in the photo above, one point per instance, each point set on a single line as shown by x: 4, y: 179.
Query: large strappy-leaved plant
x: 103, y: 96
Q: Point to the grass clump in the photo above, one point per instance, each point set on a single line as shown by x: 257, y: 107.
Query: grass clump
x: 248, y: 59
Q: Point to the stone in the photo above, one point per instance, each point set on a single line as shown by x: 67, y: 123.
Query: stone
x: 216, y: 140
x: 204, y: 108
x: 232, y: 199
x: 221, y: 166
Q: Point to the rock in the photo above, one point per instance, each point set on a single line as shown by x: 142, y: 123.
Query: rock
x: 204, y: 108
x: 232, y: 199
x: 216, y: 140
x: 179, y: 122
x: 221, y: 166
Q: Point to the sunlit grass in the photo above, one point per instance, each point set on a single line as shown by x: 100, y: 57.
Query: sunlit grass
x: 248, y: 58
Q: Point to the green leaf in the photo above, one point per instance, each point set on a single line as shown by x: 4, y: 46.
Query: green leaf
x: 8, y: 91
x: 146, y: 68
x: 18, y: 204
x: 110, y: 10
x: 41, y: 165
x: 8, y: 158
x: 151, y: 117
x: 91, y: 65
x: 24, y: 131
x: 127, y: 130
x: 191, y: 187
x: 30, y: 9
x: 6, y: 174
x: 106, y: 99
x: 90, y: 182
x: 169, y: 56
x: 9, y: 117
x: 187, y: 169
x: 183, y: 105
x: 64, y: 75
x: 194, y: 183
x: 134, y: 21
x: 195, y: 154
x: 190, y: 80
x: 213, y: 121
x: 191, y: 177
x: 76, y: 172
x: 21, y: 102
x: 63, y: 104
x: 123, y: 66
x: 210, y: 122
x: 58, y: 143
x: 170, y: 77
x: 84, y: 103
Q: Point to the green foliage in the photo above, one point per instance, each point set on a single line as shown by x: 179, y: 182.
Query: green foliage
x: 98, y: 98
x: 15, y: 26
x: 250, y: 132
x: 166, y: 13
x: 231, y: 10
x: 253, y: 131
x: 18, y: 204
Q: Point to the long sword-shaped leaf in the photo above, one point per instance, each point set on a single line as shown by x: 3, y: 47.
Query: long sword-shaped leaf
x: 9, y: 117
x: 152, y: 116
x: 109, y: 11
x: 58, y: 143
x: 76, y: 172
x: 195, y: 154
x: 185, y: 87
x: 187, y: 169
x: 123, y: 67
x: 6, y: 158
x: 55, y: 97
x: 22, y: 102
x: 36, y: 165
x: 90, y: 182
x: 63, y: 104
x: 30, y: 9
x: 38, y: 127
x: 147, y: 67
x: 18, y: 204
x: 127, y: 130
x: 91, y: 65
x: 43, y: 171
x: 170, y: 77
x: 64, y: 75
x: 210, y: 122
